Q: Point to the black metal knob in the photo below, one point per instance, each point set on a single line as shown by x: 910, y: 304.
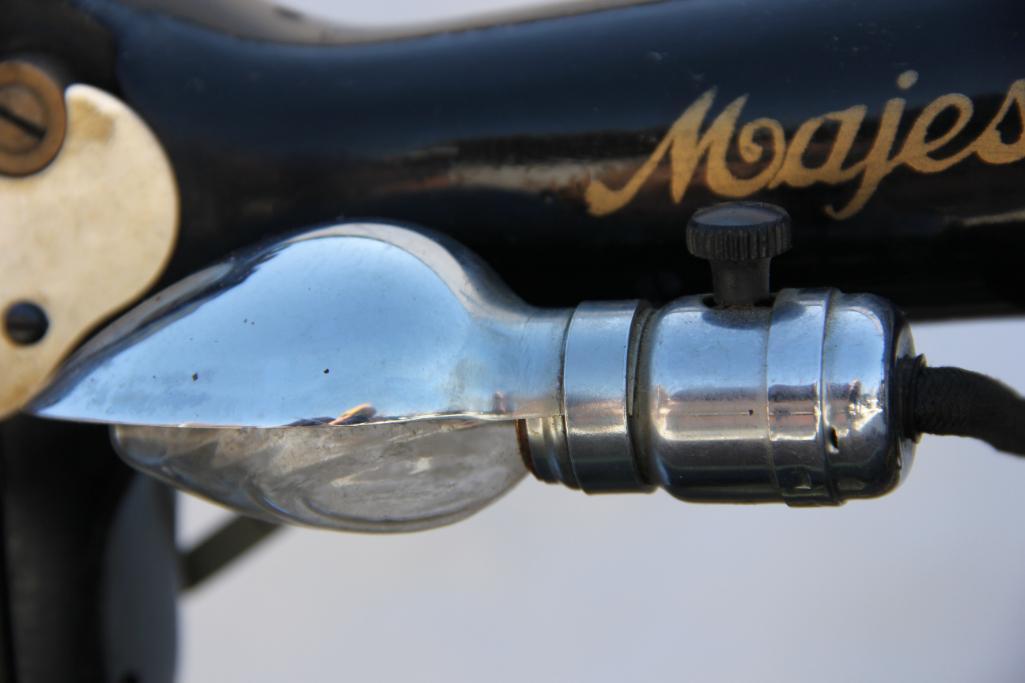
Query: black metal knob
x: 739, y: 239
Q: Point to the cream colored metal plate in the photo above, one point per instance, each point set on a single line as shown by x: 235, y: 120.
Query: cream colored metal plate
x: 85, y: 236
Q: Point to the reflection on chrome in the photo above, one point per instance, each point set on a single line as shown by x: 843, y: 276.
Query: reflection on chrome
x: 373, y: 477
x: 374, y: 377
x: 791, y: 401
x: 307, y: 329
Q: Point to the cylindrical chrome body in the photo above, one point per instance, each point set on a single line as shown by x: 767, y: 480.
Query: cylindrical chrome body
x: 791, y: 402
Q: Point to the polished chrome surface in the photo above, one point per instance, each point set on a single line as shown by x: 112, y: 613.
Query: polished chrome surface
x: 372, y: 477
x: 543, y: 441
x: 590, y: 446
x: 701, y: 406
x: 359, y: 322
x: 375, y: 378
x: 794, y: 384
x: 597, y: 388
x: 366, y: 377
x: 868, y: 452
x: 791, y: 402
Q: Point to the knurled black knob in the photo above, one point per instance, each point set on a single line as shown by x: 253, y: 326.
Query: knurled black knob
x: 739, y: 239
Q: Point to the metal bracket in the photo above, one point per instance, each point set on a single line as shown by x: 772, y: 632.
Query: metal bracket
x: 81, y: 238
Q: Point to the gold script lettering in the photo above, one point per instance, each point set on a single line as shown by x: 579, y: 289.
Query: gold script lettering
x: 795, y: 174
x: 990, y: 145
x: 783, y: 162
x: 684, y: 147
x: 877, y: 165
x: 917, y: 149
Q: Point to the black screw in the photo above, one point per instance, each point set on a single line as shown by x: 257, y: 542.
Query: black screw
x: 22, y: 118
x: 25, y: 323
x: 32, y: 117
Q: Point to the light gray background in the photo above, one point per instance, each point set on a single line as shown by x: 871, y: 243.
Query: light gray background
x: 548, y: 584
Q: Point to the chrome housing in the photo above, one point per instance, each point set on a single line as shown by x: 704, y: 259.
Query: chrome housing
x: 363, y: 376
x: 356, y: 323
x: 373, y: 377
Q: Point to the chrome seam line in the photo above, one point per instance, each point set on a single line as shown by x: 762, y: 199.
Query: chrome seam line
x: 794, y: 393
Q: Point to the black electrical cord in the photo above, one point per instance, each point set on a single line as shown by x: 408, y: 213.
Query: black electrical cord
x: 958, y: 402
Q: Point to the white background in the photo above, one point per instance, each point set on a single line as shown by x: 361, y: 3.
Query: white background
x: 548, y: 584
